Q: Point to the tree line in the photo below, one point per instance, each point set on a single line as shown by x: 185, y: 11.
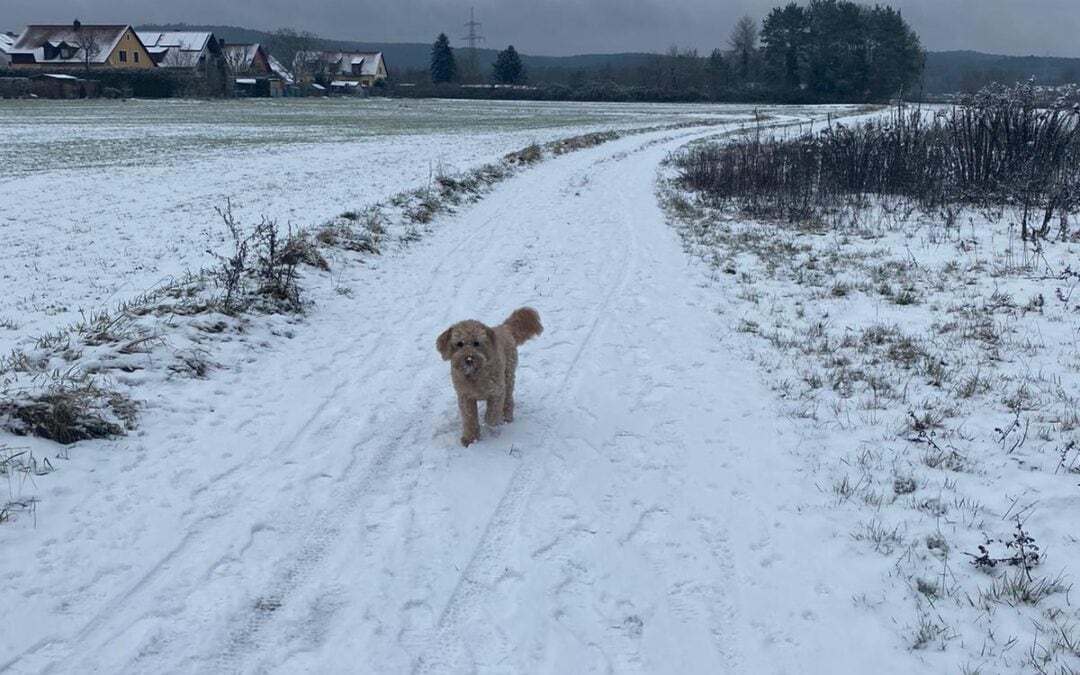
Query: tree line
x: 507, y: 68
x: 824, y: 50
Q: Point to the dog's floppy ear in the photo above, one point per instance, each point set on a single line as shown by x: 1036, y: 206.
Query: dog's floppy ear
x: 442, y: 344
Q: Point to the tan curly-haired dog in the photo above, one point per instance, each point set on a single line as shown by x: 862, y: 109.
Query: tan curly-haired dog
x: 483, y: 362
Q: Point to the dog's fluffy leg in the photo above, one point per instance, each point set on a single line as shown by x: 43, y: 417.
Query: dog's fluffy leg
x: 493, y: 414
x: 470, y: 420
x: 524, y: 323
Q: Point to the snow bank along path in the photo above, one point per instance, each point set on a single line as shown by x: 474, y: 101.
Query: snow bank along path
x: 317, y: 513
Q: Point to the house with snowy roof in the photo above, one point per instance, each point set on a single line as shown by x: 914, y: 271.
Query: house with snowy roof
x: 246, y: 59
x: 253, y: 71
x: 7, y: 42
x: 193, y: 51
x: 355, y: 68
x: 280, y: 70
x: 80, y: 45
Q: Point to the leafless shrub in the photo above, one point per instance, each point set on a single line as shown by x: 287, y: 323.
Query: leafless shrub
x: 261, y: 272
x: 997, y: 147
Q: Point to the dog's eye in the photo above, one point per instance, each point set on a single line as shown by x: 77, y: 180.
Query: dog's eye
x: 460, y: 343
x: 475, y: 343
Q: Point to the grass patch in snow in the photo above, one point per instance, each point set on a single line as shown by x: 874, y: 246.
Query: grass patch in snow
x: 18, y: 468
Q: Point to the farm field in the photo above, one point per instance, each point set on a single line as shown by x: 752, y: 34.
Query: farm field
x: 103, y: 200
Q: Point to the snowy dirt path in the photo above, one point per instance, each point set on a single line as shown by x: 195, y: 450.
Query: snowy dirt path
x: 317, y: 513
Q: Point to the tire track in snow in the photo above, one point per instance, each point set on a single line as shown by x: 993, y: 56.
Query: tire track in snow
x: 448, y: 650
x: 324, y: 528
x: 448, y: 646
x: 246, y: 639
x: 228, y: 498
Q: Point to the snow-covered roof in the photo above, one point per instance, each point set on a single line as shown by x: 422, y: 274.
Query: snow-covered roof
x: 246, y: 80
x: 343, y: 62
x: 280, y: 70
x: 244, y: 54
x: 188, y: 41
x: 178, y: 49
x: 7, y: 41
x: 35, y: 38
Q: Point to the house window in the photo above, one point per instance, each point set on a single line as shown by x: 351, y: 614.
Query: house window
x: 136, y: 56
x: 123, y: 56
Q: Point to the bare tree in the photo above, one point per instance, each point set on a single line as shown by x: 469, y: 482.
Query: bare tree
x: 175, y: 57
x: 89, y: 44
x: 295, y: 49
x: 236, y: 59
x: 743, y: 42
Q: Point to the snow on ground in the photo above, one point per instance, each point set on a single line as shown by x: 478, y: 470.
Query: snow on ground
x: 932, y: 363
x: 101, y: 201
x: 309, y: 508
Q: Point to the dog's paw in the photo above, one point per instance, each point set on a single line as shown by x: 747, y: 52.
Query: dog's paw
x: 467, y: 440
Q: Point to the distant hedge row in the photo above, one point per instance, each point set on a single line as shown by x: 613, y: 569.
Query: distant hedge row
x: 132, y: 83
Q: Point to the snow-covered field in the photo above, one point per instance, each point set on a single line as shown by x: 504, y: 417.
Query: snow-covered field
x: 686, y: 487
x: 101, y: 201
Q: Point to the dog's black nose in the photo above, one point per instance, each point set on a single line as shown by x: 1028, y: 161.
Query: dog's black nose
x: 468, y: 360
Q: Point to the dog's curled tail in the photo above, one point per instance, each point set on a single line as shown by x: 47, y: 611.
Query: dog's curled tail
x: 524, y: 323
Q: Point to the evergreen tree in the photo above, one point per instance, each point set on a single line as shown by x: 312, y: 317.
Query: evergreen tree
x: 836, y: 54
x: 854, y: 51
x: 508, y: 67
x: 718, y: 69
x: 443, y: 67
x: 785, y: 32
x: 896, y: 56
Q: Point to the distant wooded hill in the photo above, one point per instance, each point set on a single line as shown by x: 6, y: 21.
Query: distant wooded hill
x: 946, y: 72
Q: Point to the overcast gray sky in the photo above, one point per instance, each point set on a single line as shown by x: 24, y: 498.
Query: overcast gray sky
x: 562, y: 27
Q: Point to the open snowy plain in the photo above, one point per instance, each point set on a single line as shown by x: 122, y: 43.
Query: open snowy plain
x: 102, y: 201
x: 305, y: 506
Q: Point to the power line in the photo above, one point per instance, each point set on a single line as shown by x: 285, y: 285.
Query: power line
x: 474, y: 37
